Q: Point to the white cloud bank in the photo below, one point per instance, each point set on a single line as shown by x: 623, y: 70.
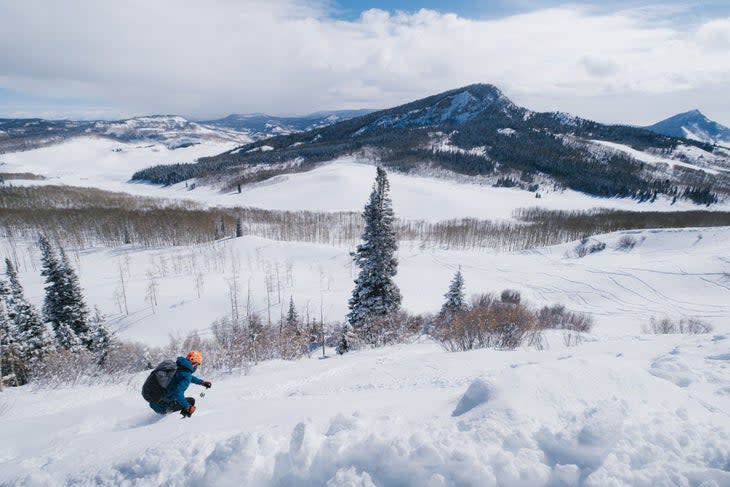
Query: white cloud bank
x: 211, y: 58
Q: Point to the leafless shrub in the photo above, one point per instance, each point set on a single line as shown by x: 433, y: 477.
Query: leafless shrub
x: 502, y: 323
x: 687, y: 326
x: 626, y: 242
x: 486, y: 323
x: 510, y: 296
x: 586, y: 247
x: 64, y: 367
x: 557, y: 317
x: 387, y: 330
x: 572, y: 339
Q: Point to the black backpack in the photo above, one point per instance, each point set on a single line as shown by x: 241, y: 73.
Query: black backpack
x: 158, y: 381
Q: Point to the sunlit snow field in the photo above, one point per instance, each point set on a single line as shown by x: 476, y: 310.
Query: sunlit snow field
x: 624, y: 408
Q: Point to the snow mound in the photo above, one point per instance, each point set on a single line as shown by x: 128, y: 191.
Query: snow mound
x: 673, y: 369
x: 478, y: 393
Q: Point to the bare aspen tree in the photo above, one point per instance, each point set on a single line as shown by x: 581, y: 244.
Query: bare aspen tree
x: 278, y: 284
x: 118, y: 299
x: 321, y: 321
x: 199, y: 282
x: 233, y: 292
x: 239, y: 227
x: 269, y: 288
x: 152, y: 290
x: 289, y: 273
x: 162, y: 266
x: 123, y: 288
x: 248, y: 300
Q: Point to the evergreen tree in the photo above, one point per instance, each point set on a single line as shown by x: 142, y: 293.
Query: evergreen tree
x: 376, y: 298
x: 11, y: 347
x: 51, y: 271
x: 74, y: 311
x: 32, y: 332
x: 292, y: 318
x: 63, y: 305
x: 102, y: 339
x: 454, y: 296
x: 343, y: 346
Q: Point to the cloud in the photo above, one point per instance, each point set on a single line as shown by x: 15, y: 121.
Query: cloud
x: 205, y: 59
x: 715, y: 35
x: 598, y: 67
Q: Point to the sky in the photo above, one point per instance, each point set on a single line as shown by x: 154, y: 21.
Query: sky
x: 615, y: 62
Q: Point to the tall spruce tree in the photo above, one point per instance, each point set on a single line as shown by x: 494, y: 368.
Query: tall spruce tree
x: 74, y: 310
x: 376, y: 298
x: 61, y: 301
x: 32, y: 332
x: 455, y: 296
x: 11, y: 347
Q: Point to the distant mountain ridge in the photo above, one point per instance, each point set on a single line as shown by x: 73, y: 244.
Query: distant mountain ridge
x: 173, y: 131
x: 477, y: 131
x: 693, y: 125
x: 260, y: 125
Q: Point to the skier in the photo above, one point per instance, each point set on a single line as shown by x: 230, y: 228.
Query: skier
x: 173, y: 398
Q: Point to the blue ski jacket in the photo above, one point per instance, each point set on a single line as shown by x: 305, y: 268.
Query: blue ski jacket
x: 175, y: 392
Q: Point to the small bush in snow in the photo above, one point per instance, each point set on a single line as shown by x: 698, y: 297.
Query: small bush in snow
x: 557, y: 317
x: 510, y: 296
x: 687, y: 326
x: 486, y: 323
x: 586, y: 247
x: 504, y: 323
x: 626, y: 242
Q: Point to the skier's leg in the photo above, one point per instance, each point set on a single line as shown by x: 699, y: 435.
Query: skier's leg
x: 176, y: 406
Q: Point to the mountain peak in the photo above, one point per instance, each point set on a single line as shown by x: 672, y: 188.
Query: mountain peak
x: 693, y: 125
x: 453, y: 107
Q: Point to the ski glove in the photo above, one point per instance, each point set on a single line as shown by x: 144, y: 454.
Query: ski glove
x: 188, y: 412
x: 206, y: 384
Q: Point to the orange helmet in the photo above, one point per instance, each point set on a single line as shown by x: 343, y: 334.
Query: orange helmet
x: 195, y: 357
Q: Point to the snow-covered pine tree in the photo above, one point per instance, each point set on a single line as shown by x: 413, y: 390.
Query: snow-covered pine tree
x: 74, y: 310
x: 36, y: 340
x: 292, y: 318
x: 51, y: 271
x: 343, y: 345
x: 12, y: 369
x: 455, y: 296
x: 102, y: 339
x: 56, y: 306
x: 376, y: 298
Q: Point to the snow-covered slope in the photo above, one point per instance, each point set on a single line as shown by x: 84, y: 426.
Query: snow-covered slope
x: 634, y: 411
x: 669, y: 273
x: 89, y: 161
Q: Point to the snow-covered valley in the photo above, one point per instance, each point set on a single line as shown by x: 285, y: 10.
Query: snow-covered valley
x: 621, y: 408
